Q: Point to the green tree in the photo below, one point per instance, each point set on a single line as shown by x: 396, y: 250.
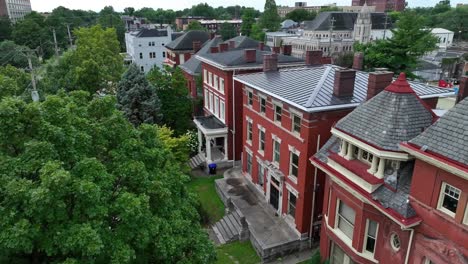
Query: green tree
x: 204, y: 10
x: 248, y: 20
x: 13, y: 82
x: 176, y: 105
x: 16, y: 55
x: 299, y: 15
x: 456, y: 21
x: 257, y: 32
x: 129, y: 11
x: 5, y: 28
x: 330, y: 9
x: 79, y: 184
x: 33, y: 32
x: 137, y: 98
x: 108, y: 18
x: 227, y: 31
x: 195, y: 25
x: 179, y: 146
x: 401, y: 53
x: 270, y: 19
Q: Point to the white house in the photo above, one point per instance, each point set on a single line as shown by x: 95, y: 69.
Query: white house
x: 146, y: 47
x: 445, y: 37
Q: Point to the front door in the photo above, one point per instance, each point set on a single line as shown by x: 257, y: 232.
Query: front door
x: 274, y: 196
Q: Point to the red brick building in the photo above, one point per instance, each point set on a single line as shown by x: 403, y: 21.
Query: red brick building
x: 220, y: 129
x: 287, y: 116
x: 182, y: 48
x: 382, y: 5
x: 367, y: 214
x: 439, y: 191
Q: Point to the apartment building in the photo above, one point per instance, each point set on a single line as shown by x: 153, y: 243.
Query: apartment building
x: 15, y: 9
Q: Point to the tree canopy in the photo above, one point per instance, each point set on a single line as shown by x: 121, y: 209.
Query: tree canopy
x: 299, y: 15
x: 270, y: 20
x: 227, y: 31
x: 248, y: 20
x: 195, y: 25
x: 80, y: 184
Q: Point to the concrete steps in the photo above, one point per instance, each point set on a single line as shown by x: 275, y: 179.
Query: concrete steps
x: 196, y: 161
x: 229, y: 228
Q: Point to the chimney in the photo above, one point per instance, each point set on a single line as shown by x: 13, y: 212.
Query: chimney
x: 250, y: 55
x: 377, y: 82
x: 223, y: 47
x: 277, y: 50
x: 344, y: 83
x: 462, y: 89
x: 313, y: 57
x: 212, y: 35
x: 232, y: 44
x: 287, y: 50
x: 196, y: 45
x: 261, y: 45
x: 270, y: 62
x: 358, y: 61
x: 214, y: 50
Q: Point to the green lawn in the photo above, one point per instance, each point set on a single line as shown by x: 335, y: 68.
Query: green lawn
x: 237, y: 252
x: 209, y: 199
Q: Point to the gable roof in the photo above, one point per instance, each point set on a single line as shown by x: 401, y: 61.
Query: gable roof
x: 185, y: 42
x: 344, y: 21
x: 244, y: 42
x: 393, y: 116
x: 193, y: 65
x: 151, y: 33
x: 448, y: 136
x: 311, y: 88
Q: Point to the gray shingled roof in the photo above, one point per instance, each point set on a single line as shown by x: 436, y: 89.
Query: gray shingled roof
x: 344, y: 21
x: 193, y: 65
x: 185, y: 42
x: 150, y: 33
x: 449, y: 135
x: 236, y: 58
x: 311, y: 88
x: 244, y: 42
x: 389, y: 118
x: 210, y: 122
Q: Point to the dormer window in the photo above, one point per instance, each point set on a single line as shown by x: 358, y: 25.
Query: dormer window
x: 367, y: 157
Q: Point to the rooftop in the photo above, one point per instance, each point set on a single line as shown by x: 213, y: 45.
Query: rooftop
x: 150, y: 33
x: 193, y: 65
x: 311, y: 88
x: 185, y: 42
x: 344, y: 21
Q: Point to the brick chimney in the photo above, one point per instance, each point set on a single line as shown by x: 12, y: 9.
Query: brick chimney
x: 277, y: 50
x: 462, y: 89
x: 313, y: 57
x: 214, y: 49
x: 287, y: 50
x: 377, y: 82
x: 232, y: 44
x: 270, y: 62
x: 344, y: 83
x: 223, y: 47
x: 261, y: 45
x: 358, y: 61
x: 196, y: 45
x: 250, y: 55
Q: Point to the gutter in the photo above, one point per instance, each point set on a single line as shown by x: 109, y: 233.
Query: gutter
x: 312, y: 214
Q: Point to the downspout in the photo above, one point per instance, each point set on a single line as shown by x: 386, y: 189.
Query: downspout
x: 313, y: 197
x: 233, y: 131
x: 410, y: 244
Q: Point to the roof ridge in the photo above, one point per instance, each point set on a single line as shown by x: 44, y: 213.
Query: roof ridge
x: 317, y: 88
x: 400, y: 85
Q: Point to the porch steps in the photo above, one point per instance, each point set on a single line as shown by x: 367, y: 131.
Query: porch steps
x: 229, y: 228
x: 196, y: 161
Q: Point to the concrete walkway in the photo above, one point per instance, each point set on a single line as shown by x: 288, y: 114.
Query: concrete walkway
x: 270, y: 235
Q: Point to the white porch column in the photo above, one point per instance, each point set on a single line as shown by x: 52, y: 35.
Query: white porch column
x: 344, y: 148
x: 380, y: 171
x: 208, y: 148
x: 225, y: 147
x: 349, y: 155
x: 375, y: 163
x: 200, y: 141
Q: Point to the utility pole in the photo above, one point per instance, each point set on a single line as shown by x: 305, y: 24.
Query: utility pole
x: 332, y: 25
x: 55, y: 43
x: 69, y: 36
x: 34, y: 93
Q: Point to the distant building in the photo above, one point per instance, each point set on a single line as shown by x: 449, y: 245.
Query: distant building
x: 445, y: 37
x: 216, y: 25
x: 382, y: 5
x: 275, y: 39
x: 284, y: 10
x: 182, y: 22
x: 146, y: 47
x: 133, y: 23
x: 15, y: 9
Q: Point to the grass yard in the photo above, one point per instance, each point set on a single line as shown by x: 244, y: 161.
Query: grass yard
x: 209, y: 199
x: 237, y: 252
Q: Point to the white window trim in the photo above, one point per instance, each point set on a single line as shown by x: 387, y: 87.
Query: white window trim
x: 261, y: 130
x: 216, y: 106
x: 221, y: 87
x: 275, y: 137
x: 364, y: 251
x: 274, y: 162
x: 205, y: 75
x: 215, y: 81
x: 293, y: 178
x: 294, y: 150
x: 392, y: 236
x: 348, y: 241
x: 274, y: 113
x: 465, y: 218
x: 291, y: 189
x: 441, y: 200
x: 292, y: 124
x: 260, y: 97
x: 249, y: 124
x: 222, y: 115
x: 293, y: 111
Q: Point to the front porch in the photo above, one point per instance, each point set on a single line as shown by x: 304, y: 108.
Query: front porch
x: 212, y: 140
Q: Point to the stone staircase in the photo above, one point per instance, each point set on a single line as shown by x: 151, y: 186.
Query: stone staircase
x: 231, y: 227
x: 196, y: 161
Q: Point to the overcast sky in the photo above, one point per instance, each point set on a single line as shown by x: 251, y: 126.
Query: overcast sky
x: 119, y: 5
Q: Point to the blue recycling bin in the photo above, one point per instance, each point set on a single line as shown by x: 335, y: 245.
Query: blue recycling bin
x: 212, y: 168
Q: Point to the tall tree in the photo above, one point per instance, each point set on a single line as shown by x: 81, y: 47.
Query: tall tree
x: 248, y: 20
x: 5, y: 28
x: 227, y: 31
x: 13, y: 82
x: 16, y: 55
x: 137, y: 98
x: 456, y: 21
x: 108, y: 18
x: 33, y: 32
x: 299, y: 15
x: 401, y: 53
x: 195, y: 25
x: 270, y: 19
x: 257, y: 32
x: 129, y: 11
x: 79, y: 184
